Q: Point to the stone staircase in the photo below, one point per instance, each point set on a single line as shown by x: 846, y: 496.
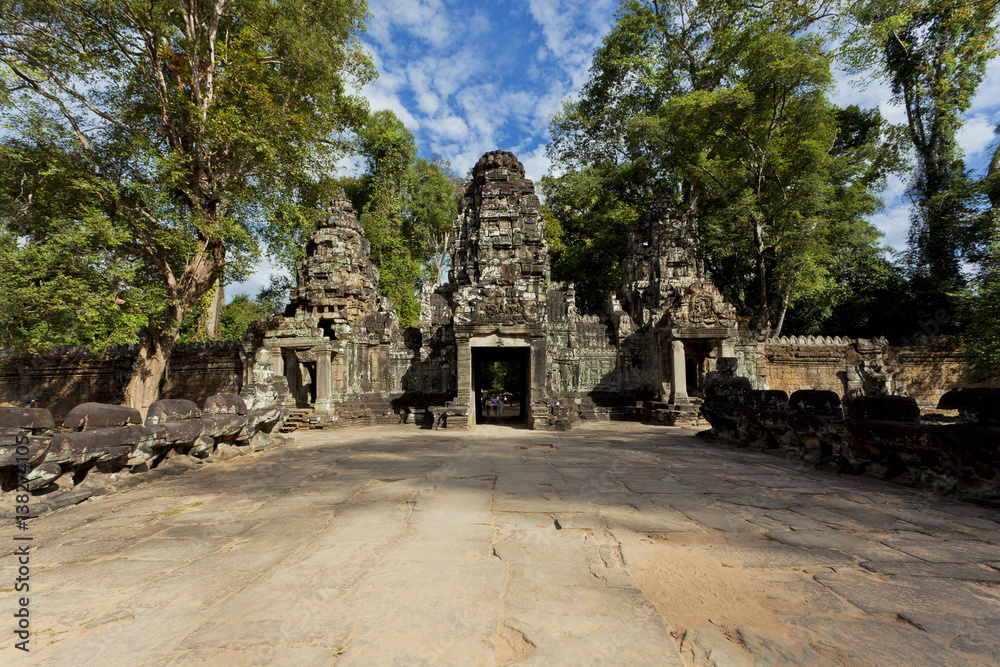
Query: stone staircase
x: 675, y: 415
x: 303, y: 418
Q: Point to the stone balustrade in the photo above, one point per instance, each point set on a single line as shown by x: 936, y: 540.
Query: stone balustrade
x: 883, y: 436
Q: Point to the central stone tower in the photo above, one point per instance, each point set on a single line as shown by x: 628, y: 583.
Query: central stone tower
x: 500, y: 278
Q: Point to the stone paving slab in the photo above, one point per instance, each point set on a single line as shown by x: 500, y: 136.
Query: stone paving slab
x: 617, y: 544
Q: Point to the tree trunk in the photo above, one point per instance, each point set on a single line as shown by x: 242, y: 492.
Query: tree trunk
x: 215, y: 311
x: 785, y: 297
x: 154, y: 353
x: 764, y: 323
x: 147, y: 373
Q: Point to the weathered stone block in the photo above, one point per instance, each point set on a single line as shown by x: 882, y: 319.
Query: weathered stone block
x: 182, y: 432
x: 12, y: 453
x: 87, y: 416
x: 817, y: 402
x: 171, y: 409
x: 42, y: 476
x: 974, y: 405
x: 13, y: 420
x: 224, y: 403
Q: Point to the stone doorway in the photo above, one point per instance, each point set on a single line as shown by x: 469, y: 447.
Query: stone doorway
x: 501, y: 371
x: 697, y: 354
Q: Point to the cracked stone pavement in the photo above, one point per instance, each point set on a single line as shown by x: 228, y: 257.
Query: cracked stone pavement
x: 613, y: 544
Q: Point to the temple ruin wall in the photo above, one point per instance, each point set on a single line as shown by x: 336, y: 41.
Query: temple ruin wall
x: 63, y: 379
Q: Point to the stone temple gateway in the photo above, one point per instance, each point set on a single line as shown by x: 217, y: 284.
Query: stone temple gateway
x: 345, y: 356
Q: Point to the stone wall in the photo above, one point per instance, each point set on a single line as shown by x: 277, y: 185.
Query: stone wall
x: 929, y: 372
x: 883, y: 436
x: 102, y: 448
x: 834, y: 364
x: 68, y: 376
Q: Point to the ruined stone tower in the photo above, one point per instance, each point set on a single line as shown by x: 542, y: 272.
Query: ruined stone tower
x: 344, y: 355
x: 500, y: 280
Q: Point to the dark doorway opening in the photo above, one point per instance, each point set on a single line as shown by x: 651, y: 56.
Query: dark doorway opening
x: 696, y: 354
x: 500, y: 373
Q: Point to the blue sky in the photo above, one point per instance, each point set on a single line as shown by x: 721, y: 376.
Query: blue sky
x: 469, y: 78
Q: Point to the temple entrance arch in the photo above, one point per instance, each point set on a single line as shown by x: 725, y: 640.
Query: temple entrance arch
x: 504, y: 372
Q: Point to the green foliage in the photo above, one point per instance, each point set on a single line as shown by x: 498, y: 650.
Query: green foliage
x: 501, y: 377
x: 430, y: 204
x: 237, y: 316
x: 933, y: 54
x: 274, y: 296
x: 979, y: 312
x: 408, y: 206
x: 389, y: 149
x: 68, y: 275
x: 197, y: 122
x: 721, y: 107
x: 587, y: 225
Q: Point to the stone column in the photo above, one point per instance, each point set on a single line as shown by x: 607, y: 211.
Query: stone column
x: 678, y: 374
x: 538, y: 407
x: 727, y: 348
x: 278, y: 361
x: 464, y: 396
x: 324, y: 380
x: 660, y: 374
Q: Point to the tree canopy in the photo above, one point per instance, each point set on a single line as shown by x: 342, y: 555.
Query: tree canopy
x: 408, y: 206
x: 189, y: 121
x: 726, y: 110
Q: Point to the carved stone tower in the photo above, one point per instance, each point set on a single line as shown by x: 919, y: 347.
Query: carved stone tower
x: 500, y: 277
x: 668, y: 294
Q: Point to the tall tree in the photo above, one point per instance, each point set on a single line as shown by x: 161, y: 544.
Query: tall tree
x: 408, y: 208
x: 389, y: 149
x: 431, y: 197
x: 780, y: 185
x: 195, y: 118
x: 721, y: 106
x: 979, y: 311
x: 933, y: 54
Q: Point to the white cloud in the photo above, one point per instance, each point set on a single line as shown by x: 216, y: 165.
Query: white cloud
x: 894, y: 222
x: 975, y: 137
x: 261, y: 277
x: 379, y: 99
x: 987, y: 98
x: 450, y: 127
x: 428, y: 20
x: 536, y: 163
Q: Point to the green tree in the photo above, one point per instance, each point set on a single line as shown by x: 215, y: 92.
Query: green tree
x: 587, y: 222
x: 979, y: 312
x: 430, y: 205
x: 389, y: 149
x: 933, y: 54
x: 408, y: 208
x: 722, y: 107
x: 194, y: 120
